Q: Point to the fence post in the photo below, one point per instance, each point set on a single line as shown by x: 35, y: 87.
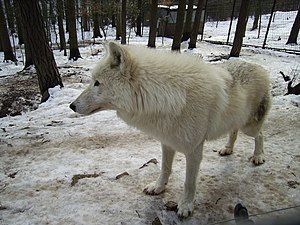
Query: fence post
x: 269, y: 24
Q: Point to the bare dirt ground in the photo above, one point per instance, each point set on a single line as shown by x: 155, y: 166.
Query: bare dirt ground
x: 19, y: 93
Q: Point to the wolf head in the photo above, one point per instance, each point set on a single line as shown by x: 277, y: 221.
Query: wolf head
x: 109, y: 84
x: 128, y: 80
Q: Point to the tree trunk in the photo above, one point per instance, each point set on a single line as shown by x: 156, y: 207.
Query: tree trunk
x: 18, y: 23
x: 188, y: 21
x: 74, y: 51
x: 4, y: 37
x: 10, y: 16
x: 43, y: 59
x: 118, y: 26
x: 85, y: 16
x: 179, y: 25
x: 45, y: 15
x: 240, y: 29
x: 113, y: 20
x: 123, y: 20
x: 269, y: 24
x: 256, y: 15
x: 95, y: 15
x: 60, y: 16
x: 295, y: 29
x: 28, y: 55
x: 96, y: 28
x: 196, y: 24
x: 153, y: 24
x: 139, y: 19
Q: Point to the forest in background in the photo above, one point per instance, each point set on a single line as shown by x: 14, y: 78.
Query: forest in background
x: 33, y: 23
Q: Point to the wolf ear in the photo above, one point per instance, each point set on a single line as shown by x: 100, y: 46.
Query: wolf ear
x: 119, y: 56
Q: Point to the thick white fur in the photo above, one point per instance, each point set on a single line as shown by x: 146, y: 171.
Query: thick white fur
x: 182, y: 101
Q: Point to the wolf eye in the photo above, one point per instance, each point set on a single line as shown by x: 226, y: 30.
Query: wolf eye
x: 96, y: 83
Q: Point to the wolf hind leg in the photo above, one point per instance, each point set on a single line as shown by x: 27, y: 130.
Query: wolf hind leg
x: 228, y: 149
x: 258, y: 155
x: 254, y: 129
x: 186, y: 202
x: 159, y: 185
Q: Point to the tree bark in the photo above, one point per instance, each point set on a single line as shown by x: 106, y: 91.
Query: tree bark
x: 60, y: 16
x: 123, y: 20
x: 269, y: 24
x: 240, y: 29
x: 153, y: 24
x: 295, y: 29
x: 85, y: 16
x: 74, y: 51
x: 95, y: 15
x: 18, y: 23
x: 9, y: 16
x: 139, y: 19
x: 256, y: 15
x: 196, y: 24
x: 179, y: 25
x: 43, y: 59
x: 4, y: 37
x: 188, y: 21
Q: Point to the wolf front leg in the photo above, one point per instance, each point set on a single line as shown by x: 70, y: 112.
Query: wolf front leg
x: 186, y: 202
x: 159, y: 186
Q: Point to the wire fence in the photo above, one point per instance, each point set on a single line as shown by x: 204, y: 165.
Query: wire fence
x: 222, y: 16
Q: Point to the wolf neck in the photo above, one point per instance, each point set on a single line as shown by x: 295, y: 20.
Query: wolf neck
x: 150, y: 95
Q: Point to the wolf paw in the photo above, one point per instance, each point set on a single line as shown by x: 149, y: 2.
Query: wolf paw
x: 257, y: 159
x: 185, y: 208
x: 154, y: 189
x: 225, y: 151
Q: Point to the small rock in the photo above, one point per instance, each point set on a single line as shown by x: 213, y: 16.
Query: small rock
x: 156, y: 221
x: 171, y: 206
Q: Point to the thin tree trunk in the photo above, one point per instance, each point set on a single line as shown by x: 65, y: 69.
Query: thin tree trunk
x: 9, y: 16
x: 123, y: 20
x: 153, y: 23
x: 48, y: 75
x: 295, y: 29
x: 188, y: 21
x: 85, y: 15
x: 179, y: 26
x: 256, y: 15
x: 231, y: 19
x: 4, y: 37
x: 139, y: 19
x: 18, y: 23
x: 60, y: 16
x: 240, y: 29
x: 28, y: 55
x: 74, y: 51
x: 22, y: 37
x: 196, y: 24
x: 96, y: 28
x: 269, y: 24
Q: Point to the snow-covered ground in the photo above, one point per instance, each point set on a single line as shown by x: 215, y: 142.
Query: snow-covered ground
x: 279, y: 32
x: 57, y: 167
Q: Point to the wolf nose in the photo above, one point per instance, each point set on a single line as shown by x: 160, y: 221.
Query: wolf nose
x: 73, y: 107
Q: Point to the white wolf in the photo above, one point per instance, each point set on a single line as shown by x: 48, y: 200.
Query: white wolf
x: 182, y: 101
